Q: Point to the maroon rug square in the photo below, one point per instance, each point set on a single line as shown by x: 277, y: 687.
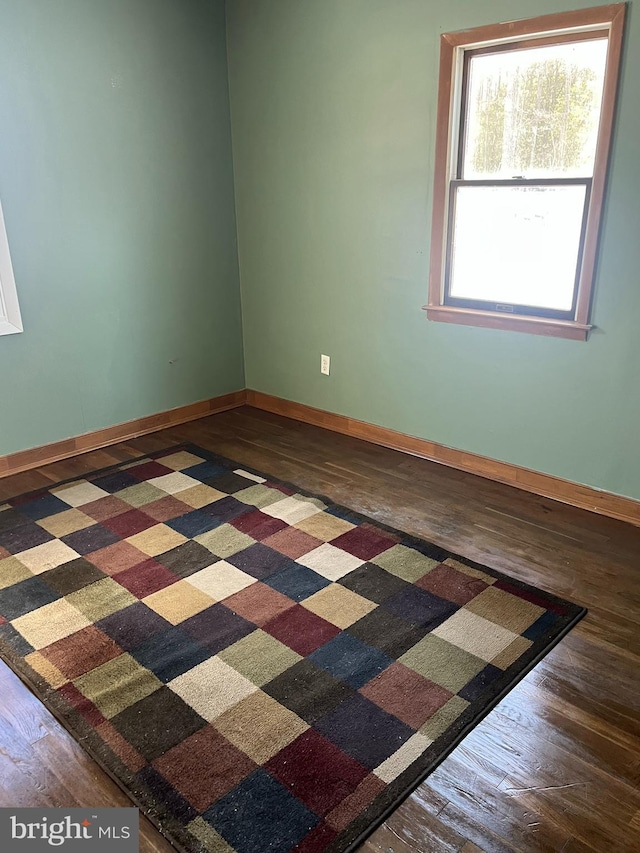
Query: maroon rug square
x: 149, y: 470
x: 81, y: 704
x: 292, y: 542
x: 118, y: 557
x: 145, y: 578
x: 364, y: 542
x: 129, y: 523
x: 81, y: 652
x: 319, y: 773
x: 280, y: 487
x: 129, y: 756
x: 204, y: 767
x: 448, y: 583
x: 532, y: 596
x: 258, y: 524
x: 259, y: 603
x: 406, y: 694
x: 105, y: 508
x: 166, y: 509
x: 348, y: 810
x: 317, y: 841
x: 301, y: 630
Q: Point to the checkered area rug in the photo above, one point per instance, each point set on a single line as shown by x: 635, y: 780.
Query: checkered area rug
x: 262, y: 671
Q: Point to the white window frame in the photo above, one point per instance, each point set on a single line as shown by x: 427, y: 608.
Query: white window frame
x: 10, y: 318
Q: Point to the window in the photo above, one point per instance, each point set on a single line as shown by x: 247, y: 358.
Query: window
x: 525, y: 114
x: 10, y: 321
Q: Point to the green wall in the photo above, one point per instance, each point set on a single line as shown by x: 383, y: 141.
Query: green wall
x: 117, y: 189
x: 118, y: 192
x: 333, y: 116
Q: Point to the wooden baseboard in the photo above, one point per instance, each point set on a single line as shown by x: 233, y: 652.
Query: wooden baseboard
x: 583, y: 497
x: 24, y: 460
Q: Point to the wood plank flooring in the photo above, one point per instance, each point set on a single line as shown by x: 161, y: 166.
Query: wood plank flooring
x: 555, y: 767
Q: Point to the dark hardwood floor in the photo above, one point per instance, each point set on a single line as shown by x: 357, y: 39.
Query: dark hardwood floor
x: 555, y: 767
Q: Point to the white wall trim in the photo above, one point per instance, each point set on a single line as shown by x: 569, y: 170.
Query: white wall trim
x: 10, y: 319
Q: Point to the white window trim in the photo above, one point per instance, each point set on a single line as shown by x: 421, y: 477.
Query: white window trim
x: 10, y: 318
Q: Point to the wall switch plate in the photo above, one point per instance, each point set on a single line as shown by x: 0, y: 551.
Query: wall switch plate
x: 325, y: 364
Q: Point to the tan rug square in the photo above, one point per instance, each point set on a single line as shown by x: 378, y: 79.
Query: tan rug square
x: 156, y: 540
x: 178, y: 602
x: 47, y: 556
x: 66, y: 522
x: 339, y: 605
x: 78, y: 493
x: 403, y: 758
x: 260, y: 726
x: 324, y: 526
x: 249, y: 476
x: 510, y: 612
x: 208, y: 837
x: 201, y: 495
x: 46, y: 669
x: 292, y: 509
x: 474, y: 634
x: 52, y: 622
x: 471, y: 572
x: 212, y: 687
x: 174, y: 483
x: 510, y: 655
x: 180, y: 460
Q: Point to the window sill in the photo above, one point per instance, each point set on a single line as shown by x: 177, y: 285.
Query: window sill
x: 511, y: 322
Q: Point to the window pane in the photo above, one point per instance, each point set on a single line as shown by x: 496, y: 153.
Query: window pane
x: 534, y: 112
x: 517, y: 245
